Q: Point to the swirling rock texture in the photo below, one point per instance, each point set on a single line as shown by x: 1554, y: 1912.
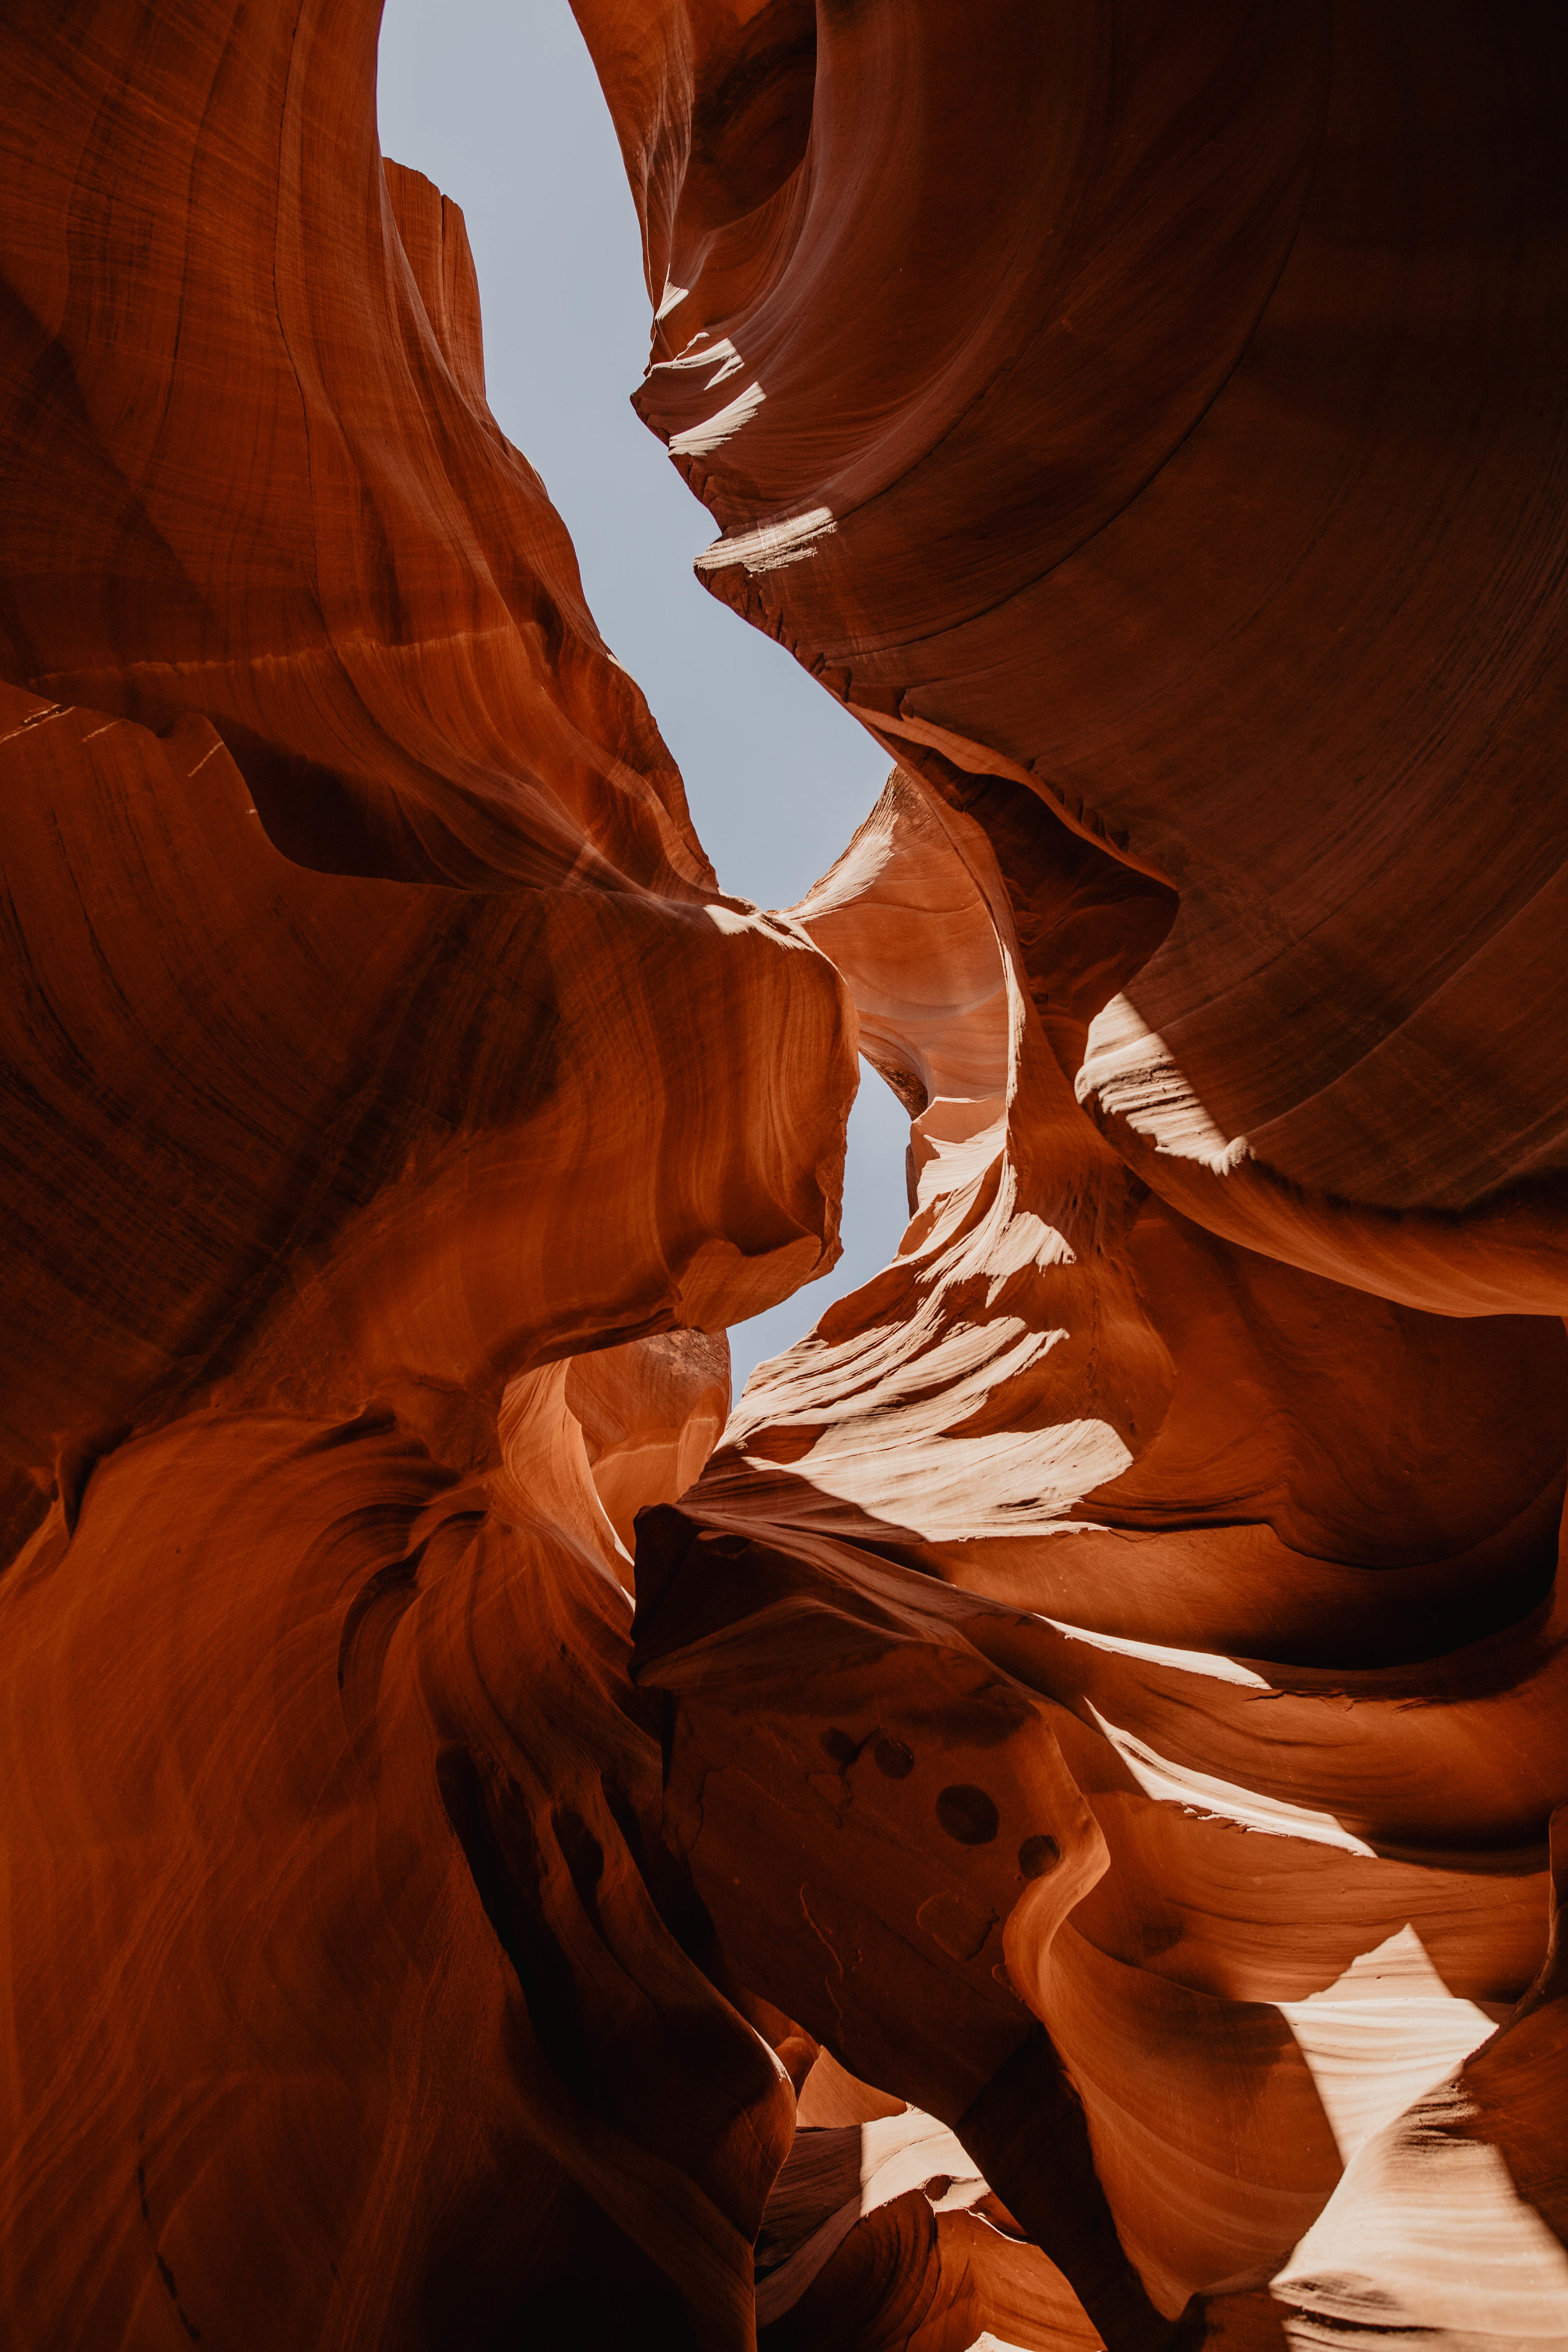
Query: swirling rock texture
x: 1130, y: 1621
x: 1062, y: 1853
x: 387, y: 1147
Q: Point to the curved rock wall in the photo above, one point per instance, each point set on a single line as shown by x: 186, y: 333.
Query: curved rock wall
x: 1158, y: 407
x: 1062, y: 1851
x: 388, y: 1143
x: 1141, y: 418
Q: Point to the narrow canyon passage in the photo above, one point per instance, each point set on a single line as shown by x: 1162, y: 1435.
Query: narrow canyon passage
x: 1041, y: 1822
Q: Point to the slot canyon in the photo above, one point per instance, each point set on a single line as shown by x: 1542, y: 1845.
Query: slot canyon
x: 1042, y: 1821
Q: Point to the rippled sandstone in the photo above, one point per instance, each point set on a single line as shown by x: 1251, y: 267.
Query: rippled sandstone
x: 1148, y: 420
x: 371, y: 1230
x: 1061, y: 1852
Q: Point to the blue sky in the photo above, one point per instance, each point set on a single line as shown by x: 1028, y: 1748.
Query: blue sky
x: 496, y: 100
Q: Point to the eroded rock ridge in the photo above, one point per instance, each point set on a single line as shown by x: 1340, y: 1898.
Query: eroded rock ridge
x: 1044, y: 1826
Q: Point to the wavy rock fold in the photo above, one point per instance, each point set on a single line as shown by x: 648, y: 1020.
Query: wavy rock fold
x: 1044, y: 1826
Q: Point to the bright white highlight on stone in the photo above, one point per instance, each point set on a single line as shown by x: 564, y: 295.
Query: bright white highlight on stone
x: 702, y: 356
x: 725, y: 920
x: 1132, y: 1070
x: 898, y: 2153
x: 1387, y: 2030
x: 1215, y: 1668
x: 698, y: 439
x: 1427, y: 2241
x: 960, y: 1488
x: 773, y: 545
x: 1200, y: 1792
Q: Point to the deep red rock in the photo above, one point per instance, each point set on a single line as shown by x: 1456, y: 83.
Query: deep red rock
x: 1062, y: 1850
x: 1147, y: 420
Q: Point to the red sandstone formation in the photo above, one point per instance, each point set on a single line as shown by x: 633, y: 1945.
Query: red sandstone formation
x: 1147, y: 421
x: 377, y: 1042
x: 1157, y: 409
x: 1061, y: 1854
x: 1295, y: 1900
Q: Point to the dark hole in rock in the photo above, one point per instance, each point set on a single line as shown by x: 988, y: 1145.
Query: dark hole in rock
x: 891, y: 1757
x: 1038, y: 1856
x: 967, y: 1813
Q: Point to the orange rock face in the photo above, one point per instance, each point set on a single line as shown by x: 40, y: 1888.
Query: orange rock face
x: 377, y: 1042
x: 1061, y: 1854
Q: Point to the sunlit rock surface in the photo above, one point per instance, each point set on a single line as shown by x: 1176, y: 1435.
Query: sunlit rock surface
x: 1159, y: 409
x: 1036, y: 1830
x: 1150, y: 422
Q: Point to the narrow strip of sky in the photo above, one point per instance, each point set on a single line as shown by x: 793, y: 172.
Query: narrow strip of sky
x: 498, y: 103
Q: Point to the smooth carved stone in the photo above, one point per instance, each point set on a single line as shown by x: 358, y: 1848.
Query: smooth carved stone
x: 1069, y: 1848
x: 1270, y: 1826
x: 370, y: 1076
x: 1159, y: 411
x: 244, y: 390
x: 356, y: 1300
x: 302, y: 1569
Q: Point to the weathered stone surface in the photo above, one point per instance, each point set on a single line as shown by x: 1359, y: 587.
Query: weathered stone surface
x: 1061, y: 1852
x: 373, y: 1189
x: 1160, y: 408
x: 1149, y: 422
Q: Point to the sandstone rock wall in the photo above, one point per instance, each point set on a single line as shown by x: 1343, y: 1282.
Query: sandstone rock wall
x: 1148, y: 420
x: 1061, y: 1852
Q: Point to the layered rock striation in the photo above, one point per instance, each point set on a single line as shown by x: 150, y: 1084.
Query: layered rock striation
x: 1140, y: 419
x: 386, y: 1149
x: 1038, y: 1827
